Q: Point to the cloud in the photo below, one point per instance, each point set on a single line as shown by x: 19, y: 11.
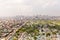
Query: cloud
x: 28, y: 7
x: 49, y: 4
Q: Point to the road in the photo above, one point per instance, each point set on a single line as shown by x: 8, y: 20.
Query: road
x: 12, y: 34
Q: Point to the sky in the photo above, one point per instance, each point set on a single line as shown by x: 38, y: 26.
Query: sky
x: 29, y: 7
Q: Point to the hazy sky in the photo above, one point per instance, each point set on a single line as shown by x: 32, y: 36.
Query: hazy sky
x: 29, y: 7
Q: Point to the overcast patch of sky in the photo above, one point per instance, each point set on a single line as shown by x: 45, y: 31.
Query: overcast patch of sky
x: 29, y: 7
